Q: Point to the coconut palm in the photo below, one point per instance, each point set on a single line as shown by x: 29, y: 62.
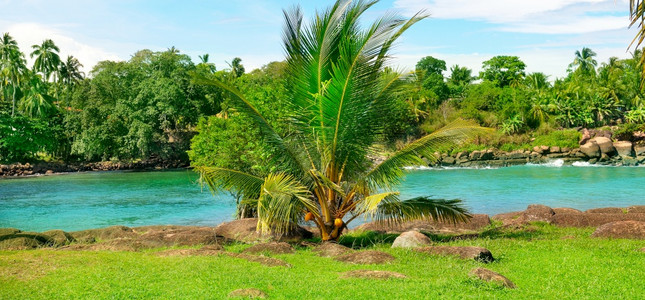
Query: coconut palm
x: 70, y: 75
x: 12, y: 67
x: 339, y: 103
x: 584, y: 62
x: 47, y: 59
x: 36, y: 102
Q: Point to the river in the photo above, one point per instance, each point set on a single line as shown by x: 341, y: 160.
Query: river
x: 98, y: 199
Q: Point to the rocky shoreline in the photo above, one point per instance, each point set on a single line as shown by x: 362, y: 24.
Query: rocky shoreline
x: 27, y: 169
x: 598, y: 150
x: 611, y: 222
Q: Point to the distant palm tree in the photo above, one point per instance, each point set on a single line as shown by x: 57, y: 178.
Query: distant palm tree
x: 70, y: 74
x: 340, y: 99
x: 208, y: 65
x: 584, y: 62
x: 237, y: 67
x: 12, y: 67
x: 47, y: 59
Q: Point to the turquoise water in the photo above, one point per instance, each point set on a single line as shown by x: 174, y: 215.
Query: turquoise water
x: 98, y: 199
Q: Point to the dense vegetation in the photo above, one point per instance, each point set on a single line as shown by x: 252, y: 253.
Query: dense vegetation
x: 149, y: 107
x: 545, y: 262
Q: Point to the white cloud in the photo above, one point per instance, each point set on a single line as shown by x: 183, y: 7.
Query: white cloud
x: 529, y: 16
x: 28, y: 34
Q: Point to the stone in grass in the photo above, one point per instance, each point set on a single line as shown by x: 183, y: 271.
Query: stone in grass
x: 371, y: 274
x: 621, y: 230
x: 488, y: 275
x: 247, y: 293
x: 366, y: 257
x: 270, y: 247
x: 477, y: 253
x: 411, y: 239
x: 330, y: 249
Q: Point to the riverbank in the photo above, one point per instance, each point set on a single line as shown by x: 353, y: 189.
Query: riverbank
x: 539, y: 260
x: 43, y: 168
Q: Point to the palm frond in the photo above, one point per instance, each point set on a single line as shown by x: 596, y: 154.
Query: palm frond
x: 390, y: 171
x: 286, y: 153
x: 282, y: 203
x: 396, y: 212
x: 221, y: 179
x: 369, y: 206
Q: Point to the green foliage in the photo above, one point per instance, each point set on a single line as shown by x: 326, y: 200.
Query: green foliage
x: 560, y: 138
x: 503, y: 70
x: 22, y: 138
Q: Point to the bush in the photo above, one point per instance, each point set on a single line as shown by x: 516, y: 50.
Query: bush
x: 561, y: 138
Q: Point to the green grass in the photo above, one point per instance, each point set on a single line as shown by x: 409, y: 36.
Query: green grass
x: 541, y: 263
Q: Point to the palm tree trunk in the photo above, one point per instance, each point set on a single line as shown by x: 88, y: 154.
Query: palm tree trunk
x: 13, y: 102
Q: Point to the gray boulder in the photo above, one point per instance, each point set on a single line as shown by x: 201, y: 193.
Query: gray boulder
x: 624, y: 148
x: 590, y: 149
x: 411, y: 239
x: 605, y: 144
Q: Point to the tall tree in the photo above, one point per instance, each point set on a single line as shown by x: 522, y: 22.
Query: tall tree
x: 503, y: 70
x: 584, y: 63
x: 70, y: 75
x: 339, y: 99
x: 47, y: 59
x: 12, y: 67
x: 237, y: 67
x: 637, y: 17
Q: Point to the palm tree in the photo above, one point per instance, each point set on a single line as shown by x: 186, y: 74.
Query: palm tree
x: 47, y: 59
x: 206, y: 64
x: 12, y: 67
x: 339, y: 103
x: 36, y: 102
x: 70, y: 75
x: 584, y: 62
x: 637, y: 17
x: 237, y: 67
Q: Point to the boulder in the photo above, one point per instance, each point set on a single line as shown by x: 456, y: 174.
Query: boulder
x: 329, y: 249
x: 270, y: 247
x: 555, y: 149
x: 475, y: 155
x: 371, y: 274
x: 476, y: 223
x: 509, y: 218
x: 24, y: 240
x: 247, y: 293
x: 488, y: 275
x: 411, y: 239
x: 566, y: 210
x: 178, y: 235
x: 366, y: 257
x: 108, y: 233
x: 605, y: 210
x: 593, y: 220
x: 590, y: 149
x: 538, y: 212
x: 8, y: 231
x: 477, y: 253
x: 621, y: 230
x: 624, y: 148
x: 448, y: 161
x: 639, y: 150
x: 605, y: 145
x: 59, y: 237
x: 245, y: 230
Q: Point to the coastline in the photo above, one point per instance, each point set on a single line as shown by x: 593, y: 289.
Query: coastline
x: 19, y: 170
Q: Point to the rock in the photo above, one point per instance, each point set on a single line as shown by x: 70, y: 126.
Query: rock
x: 59, y: 237
x: 566, y: 210
x: 247, y: 293
x: 538, y: 212
x: 621, y: 230
x: 488, y: 155
x: 605, y: 145
x: 178, y: 235
x: 270, y: 247
x: 510, y: 218
x: 108, y: 233
x: 411, y: 239
x: 329, y: 249
x: 244, y: 230
x: 593, y: 220
x: 590, y: 149
x: 371, y: 274
x: 624, y: 148
x: 476, y: 223
x: 605, y: 210
x: 555, y: 149
x: 23, y: 241
x: 8, y: 231
x: 488, y: 275
x: 475, y: 155
x: 639, y: 150
x: 636, y: 209
x: 448, y: 161
x: 477, y: 253
x: 366, y: 257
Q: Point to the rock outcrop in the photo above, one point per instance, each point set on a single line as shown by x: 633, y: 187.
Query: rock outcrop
x: 411, y: 239
x: 621, y: 230
x: 488, y: 275
x: 245, y: 230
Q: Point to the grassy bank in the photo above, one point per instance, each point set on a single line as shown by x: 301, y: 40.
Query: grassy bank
x: 543, y: 261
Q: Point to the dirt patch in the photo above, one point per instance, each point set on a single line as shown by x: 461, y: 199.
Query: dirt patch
x: 267, y: 261
x: 204, y: 251
x: 371, y: 274
x: 477, y: 253
x: 248, y: 293
x: 366, y: 257
x: 488, y: 275
x: 621, y: 230
x: 331, y: 250
x: 270, y: 247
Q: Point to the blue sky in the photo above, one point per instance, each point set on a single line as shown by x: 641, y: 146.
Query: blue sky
x: 543, y: 33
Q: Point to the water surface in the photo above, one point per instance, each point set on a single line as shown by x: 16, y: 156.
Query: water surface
x: 98, y: 199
